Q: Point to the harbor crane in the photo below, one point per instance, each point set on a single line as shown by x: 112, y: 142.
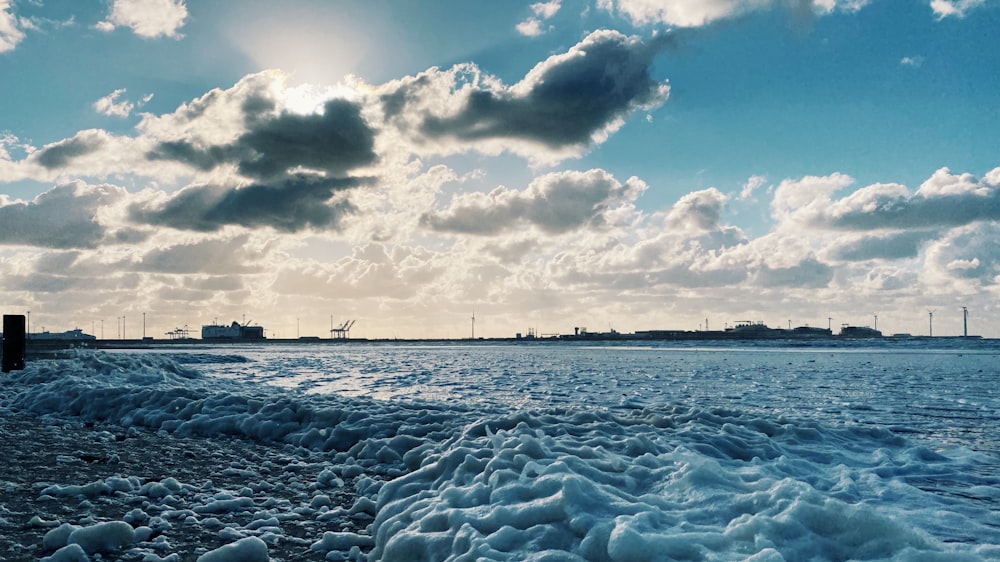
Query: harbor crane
x: 179, y: 333
x: 343, y: 331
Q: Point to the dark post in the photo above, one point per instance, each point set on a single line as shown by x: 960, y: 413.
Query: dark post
x: 13, y: 342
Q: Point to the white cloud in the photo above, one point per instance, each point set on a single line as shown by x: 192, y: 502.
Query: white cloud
x: 963, y: 265
x: 751, y: 185
x: 110, y: 104
x: 10, y: 32
x: 554, y: 203
x: 147, y: 18
x: 966, y: 260
x: 915, y: 61
x: 943, y: 183
x: 546, y: 10
x: 699, y: 210
x: 533, y: 26
x: 697, y: 13
x: 530, y: 27
x: 10, y: 141
x: 945, y: 200
x: 807, y: 198
x: 954, y: 8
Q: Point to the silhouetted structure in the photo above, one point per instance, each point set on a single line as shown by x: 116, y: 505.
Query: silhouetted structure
x: 13, y: 342
x: 343, y: 331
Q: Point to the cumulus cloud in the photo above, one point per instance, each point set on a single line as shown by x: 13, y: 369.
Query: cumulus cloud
x: 332, y: 141
x: 251, y: 160
x: 883, y: 246
x: 61, y: 154
x: 562, y: 106
x: 697, y: 13
x: 219, y: 116
x: 808, y: 273
x: 211, y: 256
x: 147, y: 18
x: 298, y: 162
x: 288, y: 205
x: 699, y: 210
x: 954, y: 8
x: 554, y: 203
x: 943, y: 228
x: 966, y: 253
x: 915, y: 62
x: 375, y: 271
x: 543, y: 11
x: 113, y: 106
x: 944, y: 200
x: 10, y: 33
x: 944, y: 183
x: 62, y: 217
x: 807, y: 198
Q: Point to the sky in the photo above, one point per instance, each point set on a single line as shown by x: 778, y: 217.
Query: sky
x: 603, y: 164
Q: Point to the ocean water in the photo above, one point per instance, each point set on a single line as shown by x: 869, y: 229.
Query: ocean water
x: 599, y: 452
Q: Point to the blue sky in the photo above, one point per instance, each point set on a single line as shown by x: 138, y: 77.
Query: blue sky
x: 602, y: 163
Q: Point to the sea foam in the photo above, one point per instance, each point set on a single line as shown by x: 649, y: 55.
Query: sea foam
x: 654, y: 482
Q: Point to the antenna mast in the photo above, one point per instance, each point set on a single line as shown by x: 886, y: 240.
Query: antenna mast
x: 473, y: 323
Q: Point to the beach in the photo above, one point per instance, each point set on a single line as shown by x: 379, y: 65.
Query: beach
x: 39, y: 453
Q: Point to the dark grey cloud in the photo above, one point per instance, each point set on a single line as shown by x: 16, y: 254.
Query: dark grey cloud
x: 183, y: 151
x: 921, y: 212
x: 555, y: 203
x: 56, y: 262
x: 334, y: 141
x: 274, y: 150
x: 62, y: 217
x: 42, y: 283
x: 563, y: 102
x: 896, y: 245
x: 60, y: 154
x: 288, y: 205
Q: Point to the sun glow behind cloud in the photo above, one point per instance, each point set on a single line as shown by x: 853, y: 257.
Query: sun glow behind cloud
x: 312, y: 50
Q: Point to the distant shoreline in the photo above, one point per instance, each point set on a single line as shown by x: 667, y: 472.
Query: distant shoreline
x: 42, y: 346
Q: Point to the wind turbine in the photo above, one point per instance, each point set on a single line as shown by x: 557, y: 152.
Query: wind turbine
x: 930, y: 314
x: 875, y: 314
x: 965, y: 321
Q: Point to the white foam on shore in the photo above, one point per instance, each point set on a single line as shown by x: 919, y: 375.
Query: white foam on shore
x: 447, y: 482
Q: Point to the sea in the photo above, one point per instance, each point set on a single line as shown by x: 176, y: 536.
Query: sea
x: 619, y: 451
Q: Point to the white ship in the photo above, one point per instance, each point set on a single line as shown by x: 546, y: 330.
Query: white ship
x: 75, y: 334
x: 234, y: 331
